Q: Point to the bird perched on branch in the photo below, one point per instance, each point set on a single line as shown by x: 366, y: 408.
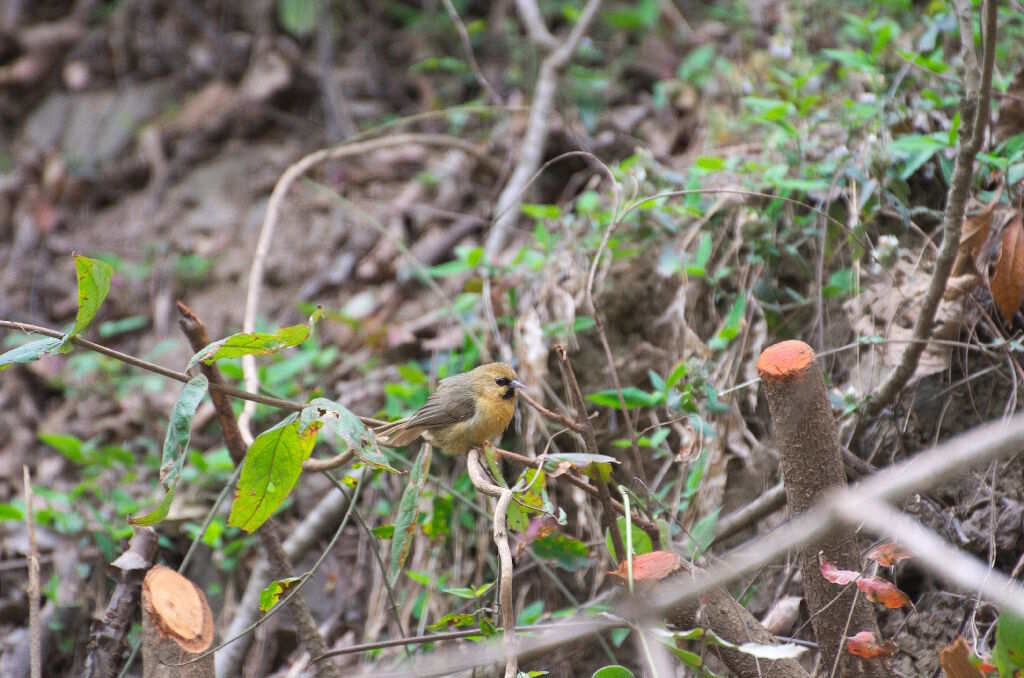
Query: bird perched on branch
x: 465, y: 411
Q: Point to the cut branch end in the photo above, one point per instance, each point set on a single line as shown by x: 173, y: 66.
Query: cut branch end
x: 784, y: 360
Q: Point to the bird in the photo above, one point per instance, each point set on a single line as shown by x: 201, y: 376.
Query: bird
x: 465, y: 411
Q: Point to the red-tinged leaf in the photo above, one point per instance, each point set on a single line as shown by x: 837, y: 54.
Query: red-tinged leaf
x: 653, y: 566
x: 984, y: 666
x: 882, y: 591
x: 833, y: 574
x: 540, y: 526
x: 1008, y: 277
x: 864, y: 644
x: 888, y: 555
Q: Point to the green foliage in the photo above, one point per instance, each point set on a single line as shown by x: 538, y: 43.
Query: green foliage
x: 613, y: 671
x: 405, y: 520
x: 179, y: 431
x: 272, y: 592
x: 29, y: 352
x: 254, y: 343
x: 94, y: 278
x: 298, y: 17
x: 1008, y: 652
x: 271, y: 467
x: 345, y: 431
x: 568, y: 552
x: 641, y: 540
x: 529, y: 499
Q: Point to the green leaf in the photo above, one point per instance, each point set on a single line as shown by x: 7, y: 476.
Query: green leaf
x: 10, y: 512
x: 344, y: 431
x: 29, y: 352
x: 459, y: 620
x: 698, y: 268
x: 536, y: 211
x: 702, y: 533
x: 467, y: 593
x: 634, y: 398
x: 641, y: 540
x: 274, y: 590
x: 674, y: 377
x: 531, y: 613
x: 251, y: 343
x: 1009, y: 650
x: 528, y: 502
x: 93, y: 284
x: 179, y: 432
x: 613, y: 671
x: 581, y: 459
x: 386, y: 531
x: 733, y: 323
x: 405, y: 521
x: 298, y: 17
x: 568, y: 552
x: 710, y: 163
x: 68, y: 445
x: 619, y: 635
x: 271, y: 467
x: 440, y: 521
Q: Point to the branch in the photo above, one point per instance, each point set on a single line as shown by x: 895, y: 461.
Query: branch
x: 572, y: 388
x: 975, y: 107
x: 532, y: 145
x: 35, y: 625
x: 500, y: 535
x: 279, y: 403
x: 308, y: 634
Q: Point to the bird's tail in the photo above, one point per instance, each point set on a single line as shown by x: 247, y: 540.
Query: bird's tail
x: 397, y: 433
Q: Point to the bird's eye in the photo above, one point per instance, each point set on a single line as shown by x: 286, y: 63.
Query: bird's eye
x: 502, y: 381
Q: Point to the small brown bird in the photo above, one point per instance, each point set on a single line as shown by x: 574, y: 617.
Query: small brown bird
x: 465, y: 411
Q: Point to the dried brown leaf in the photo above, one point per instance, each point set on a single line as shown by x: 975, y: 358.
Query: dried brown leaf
x: 1008, y: 279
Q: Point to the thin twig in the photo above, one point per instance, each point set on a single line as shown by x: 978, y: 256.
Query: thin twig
x: 554, y: 416
x: 34, y: 623
x: 975, y: 106
x: 467, y: 46
x: 572, y: 389
x: 434, y: 638
x: 183, y: 377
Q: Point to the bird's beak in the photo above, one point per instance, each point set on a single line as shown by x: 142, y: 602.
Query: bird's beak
x: 515, y: 383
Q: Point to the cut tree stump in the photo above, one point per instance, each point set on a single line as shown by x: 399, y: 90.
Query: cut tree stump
x: 177, y: 624
x: 812, y: 466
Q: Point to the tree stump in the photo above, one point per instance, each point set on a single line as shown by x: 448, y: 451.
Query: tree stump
x: 812, y: 466
x: 177, y: 624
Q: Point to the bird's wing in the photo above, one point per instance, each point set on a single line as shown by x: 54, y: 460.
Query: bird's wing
x: 449, y: 404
